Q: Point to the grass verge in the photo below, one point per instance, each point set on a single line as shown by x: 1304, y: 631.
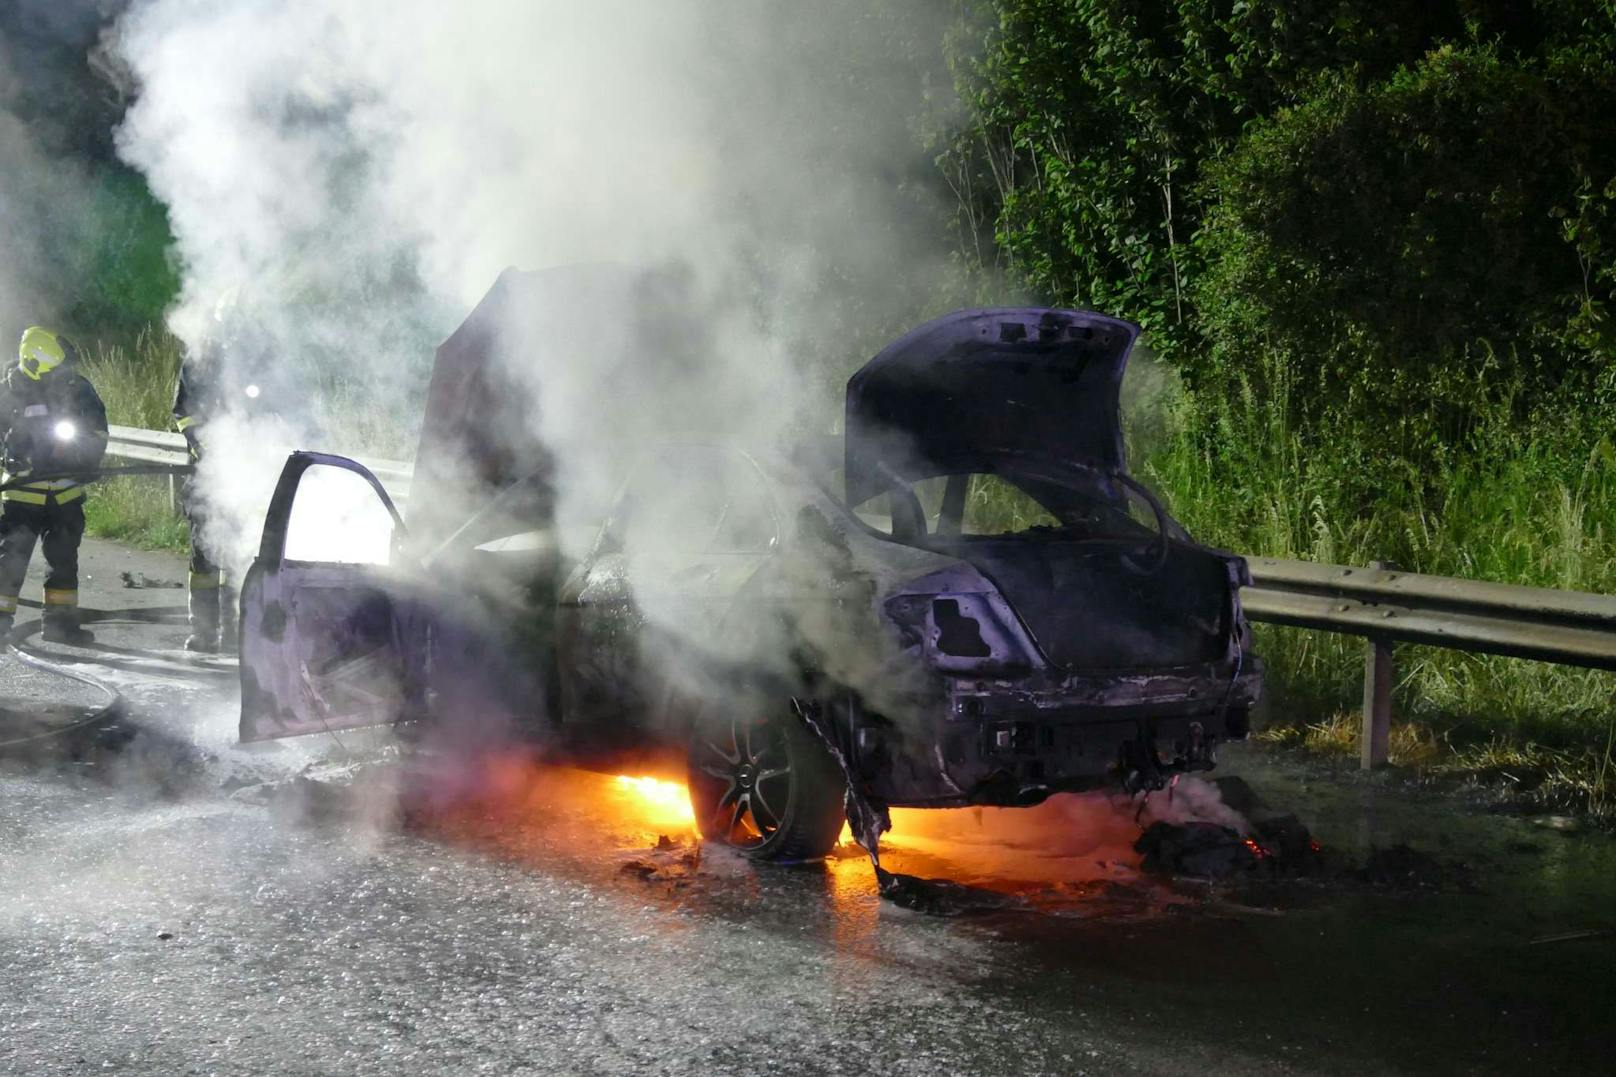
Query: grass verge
x: 135, y: 510
x: 1524, y: 774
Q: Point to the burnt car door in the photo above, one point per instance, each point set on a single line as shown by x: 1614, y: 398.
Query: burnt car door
x: 331, y: 637
x: 648, y: 606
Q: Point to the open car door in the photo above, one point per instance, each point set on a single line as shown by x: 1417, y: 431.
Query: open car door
x: 331, y: 636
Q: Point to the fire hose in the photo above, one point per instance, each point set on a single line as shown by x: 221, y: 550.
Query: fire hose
x: 114, y: 699
x: 96, y: 474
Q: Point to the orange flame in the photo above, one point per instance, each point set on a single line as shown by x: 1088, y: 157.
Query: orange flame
x: 655, y: 803
x: 573, y: 804
x: 557, y: 813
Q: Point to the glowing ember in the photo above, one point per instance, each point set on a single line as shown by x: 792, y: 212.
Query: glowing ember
x: 1256, y: 849
x: 655, y: 802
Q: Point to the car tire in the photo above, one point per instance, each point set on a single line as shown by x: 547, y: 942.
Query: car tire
x: 764, y: 784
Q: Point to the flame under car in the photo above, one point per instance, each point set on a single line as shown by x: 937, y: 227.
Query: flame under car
x: 966, y: 600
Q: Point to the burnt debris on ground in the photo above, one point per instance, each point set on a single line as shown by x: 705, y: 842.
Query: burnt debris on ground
x: 942, y: 897
x: 1279, y: 846
x: 139, y: 581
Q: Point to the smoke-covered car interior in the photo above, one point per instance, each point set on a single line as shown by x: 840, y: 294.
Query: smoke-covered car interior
x: 963, y: 599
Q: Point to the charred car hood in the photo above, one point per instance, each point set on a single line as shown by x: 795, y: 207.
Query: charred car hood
x: 986, y: 390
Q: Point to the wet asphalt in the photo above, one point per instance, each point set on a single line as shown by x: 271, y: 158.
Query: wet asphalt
x: 172, y: 902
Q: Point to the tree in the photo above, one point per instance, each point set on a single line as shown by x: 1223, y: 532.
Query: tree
x: 1384, y: 239
x: 1364, y: 194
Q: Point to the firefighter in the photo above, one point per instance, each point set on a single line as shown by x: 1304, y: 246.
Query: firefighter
x: 53, y: 421
x: 226, y: 377
x: 212, y: 604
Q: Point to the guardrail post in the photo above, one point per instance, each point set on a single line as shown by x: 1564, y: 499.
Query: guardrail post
x: 1374, y: 743
x: 1377, y: 703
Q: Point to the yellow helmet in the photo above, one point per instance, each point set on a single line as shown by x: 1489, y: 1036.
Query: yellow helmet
x: 42, y: 351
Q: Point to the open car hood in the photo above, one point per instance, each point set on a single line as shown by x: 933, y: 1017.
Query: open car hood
x: 985, y: 390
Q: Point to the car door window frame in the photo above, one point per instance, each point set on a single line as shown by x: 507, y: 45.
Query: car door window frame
x: 277, y: 521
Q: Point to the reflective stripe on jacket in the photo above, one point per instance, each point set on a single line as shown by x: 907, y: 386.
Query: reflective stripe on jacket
x: 47, y: 492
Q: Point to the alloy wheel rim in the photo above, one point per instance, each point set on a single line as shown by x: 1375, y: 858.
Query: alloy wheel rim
x: 751, y: 760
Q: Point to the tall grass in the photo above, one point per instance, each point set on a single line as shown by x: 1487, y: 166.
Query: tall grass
x: 136, y: 382
x: 1517, y: 502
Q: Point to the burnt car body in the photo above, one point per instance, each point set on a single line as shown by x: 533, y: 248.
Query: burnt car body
x: 965, y: 601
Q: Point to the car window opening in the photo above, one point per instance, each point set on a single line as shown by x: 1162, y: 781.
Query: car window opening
x: 979, y: 506
x: 695, y: 501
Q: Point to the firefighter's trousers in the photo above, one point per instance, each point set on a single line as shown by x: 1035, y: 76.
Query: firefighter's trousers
x: 212, y: 601
x: 62, y: 528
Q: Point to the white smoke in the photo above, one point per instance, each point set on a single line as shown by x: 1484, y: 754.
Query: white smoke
x: 1195, y: 800
x: 364, y: 169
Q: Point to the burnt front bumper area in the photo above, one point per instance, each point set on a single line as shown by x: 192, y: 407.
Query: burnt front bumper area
x: 1008, y: 743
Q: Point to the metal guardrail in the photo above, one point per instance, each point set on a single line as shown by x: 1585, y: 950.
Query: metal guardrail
x: 146, y: 446
x: 165, y: 447
x: 1387, y: 605
x: 1565, y: 627
x: 1381, y: 603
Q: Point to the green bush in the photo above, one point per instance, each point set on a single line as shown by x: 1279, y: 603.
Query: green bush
x: 1371, y: 201
x: 1091, y: 123
x: 1385, y: 242
x: 136, y: 509
x: 126, y: 275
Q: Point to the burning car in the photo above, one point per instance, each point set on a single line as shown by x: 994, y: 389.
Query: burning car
x: 965, y: 599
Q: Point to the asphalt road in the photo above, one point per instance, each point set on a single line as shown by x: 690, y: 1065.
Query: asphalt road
x: 171, y: 902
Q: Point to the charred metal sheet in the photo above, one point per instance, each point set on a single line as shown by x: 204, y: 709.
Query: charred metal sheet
x: 972, y: 389
x: 942, y: 897
x: 867, y: 817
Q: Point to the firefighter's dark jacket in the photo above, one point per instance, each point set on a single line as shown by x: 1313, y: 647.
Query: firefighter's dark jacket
x: 200, y: 398
x: 193, y: 400
x: 55, y: 424
x: 216, y: 383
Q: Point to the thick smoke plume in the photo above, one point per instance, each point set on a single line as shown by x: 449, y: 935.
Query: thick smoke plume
x: 355, y: 175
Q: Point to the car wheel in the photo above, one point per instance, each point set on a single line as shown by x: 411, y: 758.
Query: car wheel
x: 761, y: 782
